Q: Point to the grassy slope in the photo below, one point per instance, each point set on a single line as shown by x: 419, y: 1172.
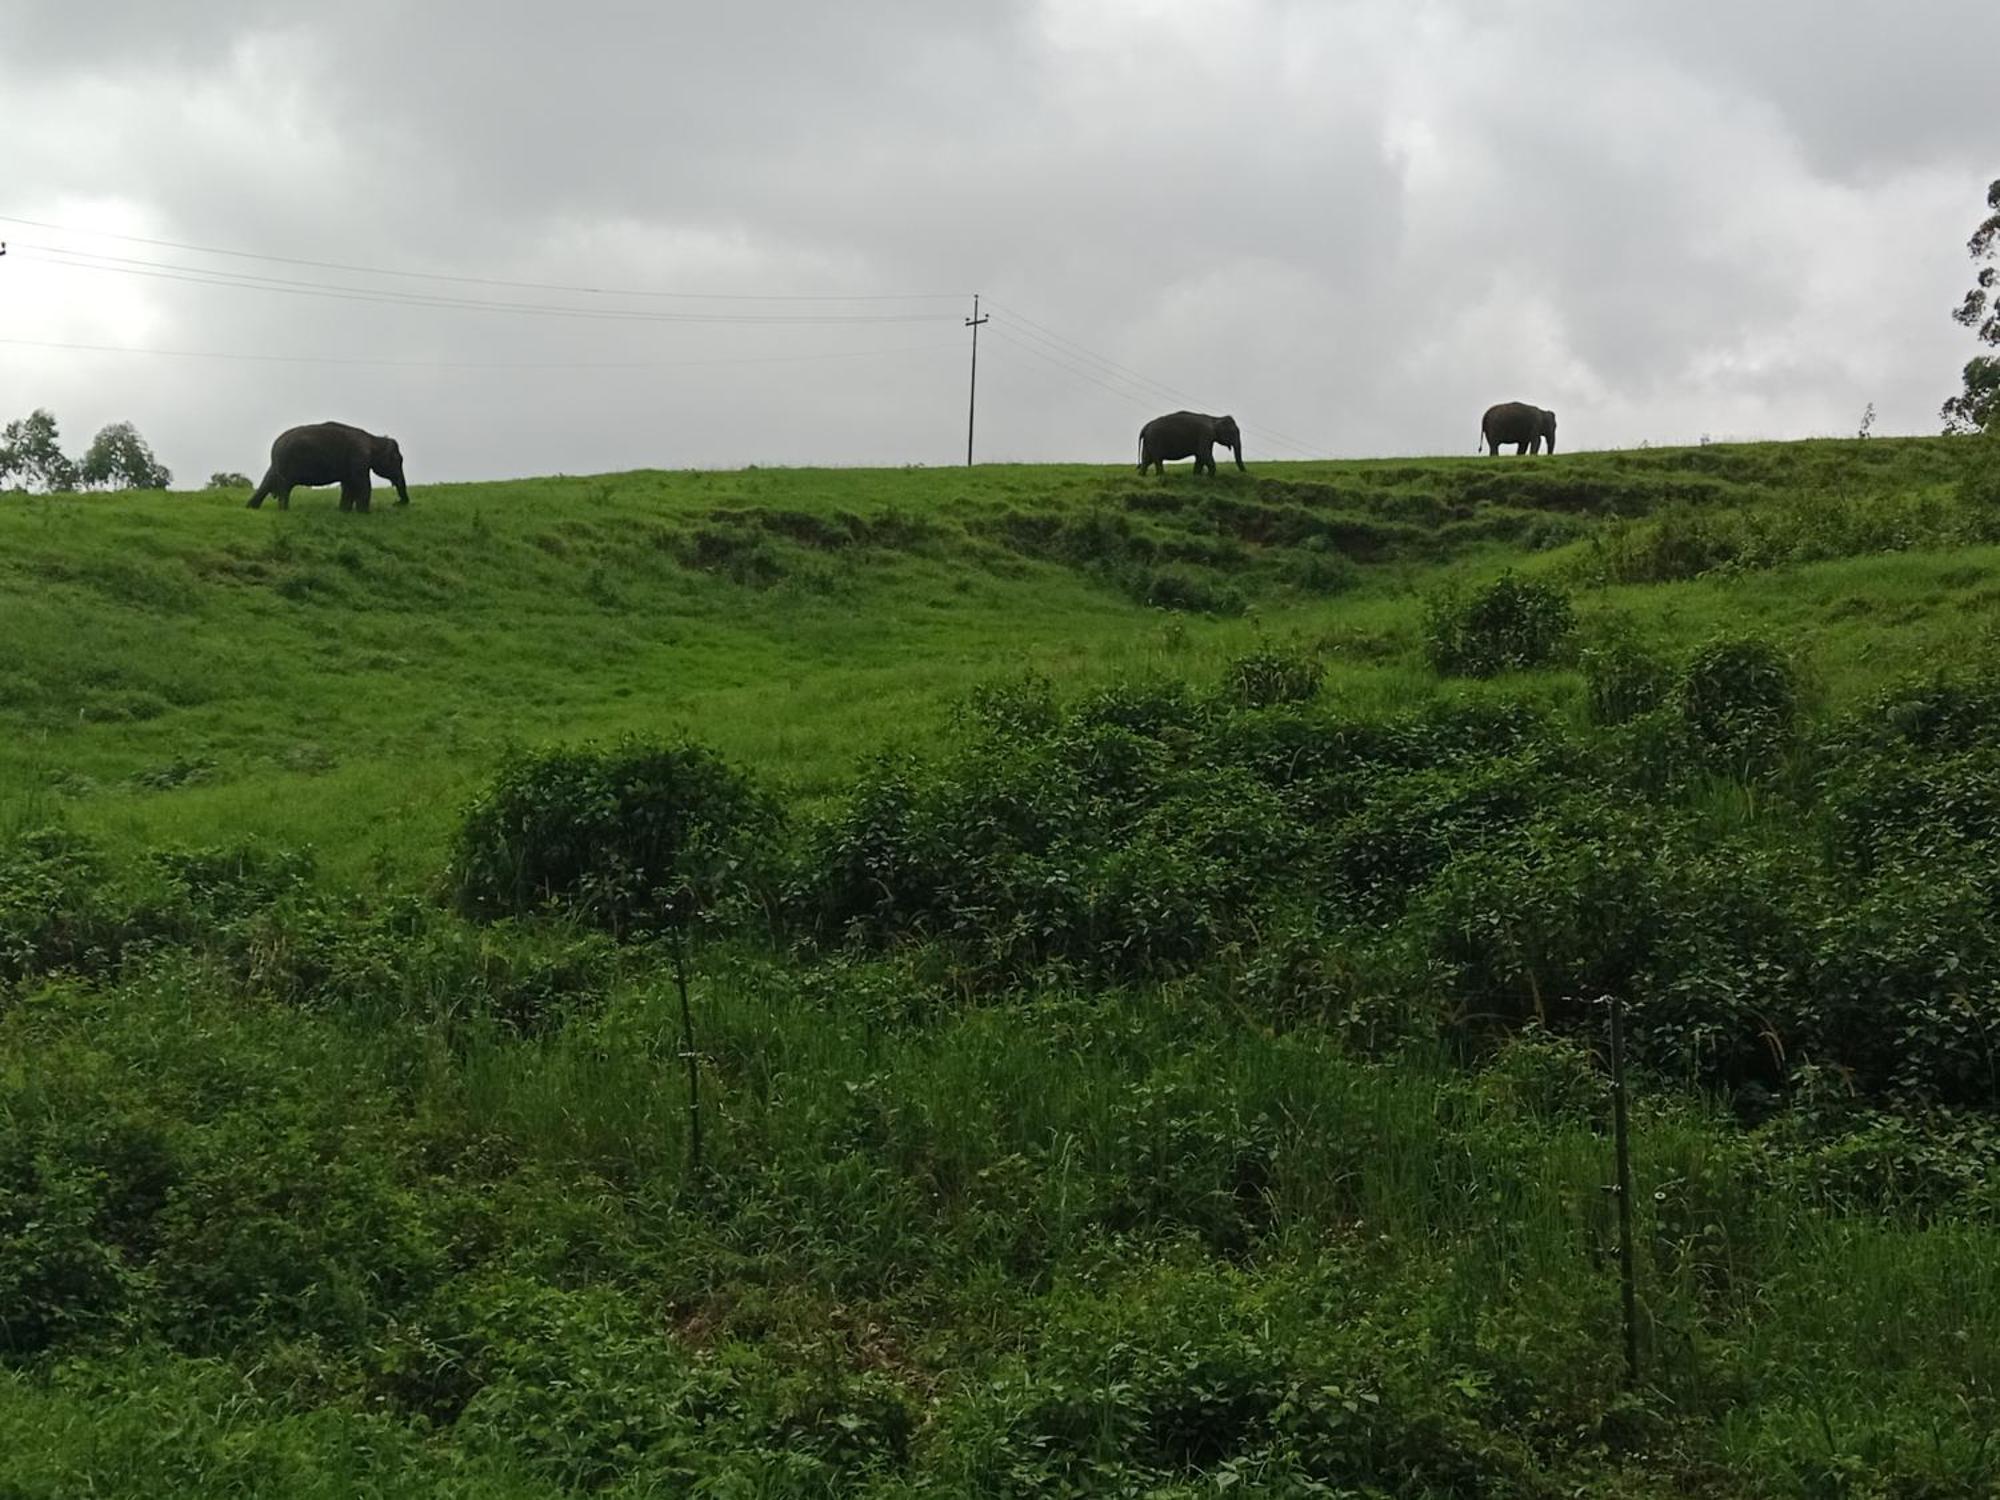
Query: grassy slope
x: 1017, y: 1223
x: 172, y: 665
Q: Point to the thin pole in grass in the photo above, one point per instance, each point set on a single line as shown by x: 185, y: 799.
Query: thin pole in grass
x: 1621, y: 1190
x: 688, y: 1054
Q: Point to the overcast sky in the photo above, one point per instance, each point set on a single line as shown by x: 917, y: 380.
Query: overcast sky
x: 1353, y: 225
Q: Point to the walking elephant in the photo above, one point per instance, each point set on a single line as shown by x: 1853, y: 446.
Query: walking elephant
x: 331, y: 453
x: 1188, y: 434
x: 1526, y: 427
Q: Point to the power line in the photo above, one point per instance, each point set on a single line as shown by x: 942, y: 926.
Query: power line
x: 1071, y: 346
x: 1109, y: 370
x: 1002, y: 330
x: 529, y: 286
x: 199, y: 276
x: 460, y: 364
x: 1075, y: 350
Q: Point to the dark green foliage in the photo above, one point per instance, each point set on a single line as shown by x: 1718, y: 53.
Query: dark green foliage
x: 1185, y: 1380
x: 1738, y: 700
x: 634, y: 839
x: 1678, y: 544
x: 1981, y: 485
x: 1181, y: 589
x: 1622, y: 679
x: 118, y: 458
x: 1274, y: 675
x: 1511, y: 624
x: 31, y: 454
x: 1140, y: 831
x: 1341, y: 868
x: 1977, y: 407
x: 53, y: 912
x: 229, y: 479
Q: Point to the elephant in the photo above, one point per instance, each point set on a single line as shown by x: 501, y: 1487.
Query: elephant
x: 1526, y: 427
x: 1188, y: 434
x: 329, y: 453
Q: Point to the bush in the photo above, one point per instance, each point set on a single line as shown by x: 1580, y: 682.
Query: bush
x: 1622, y: 680
x: 1676, y: 545
x: 1738, y: 702
x: 1274, y: 675
x: 54, y: 912
x: 632, y: 839
x: 1511, y: 624
x: 1980, y: 485
x: 1189, y: 592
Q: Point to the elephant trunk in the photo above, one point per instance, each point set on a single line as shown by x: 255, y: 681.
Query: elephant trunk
x: 1237, y: 448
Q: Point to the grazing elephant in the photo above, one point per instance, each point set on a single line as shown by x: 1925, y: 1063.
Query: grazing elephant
x: 330, y: 453
x: 1188, y: 434
x: 1526, y: 427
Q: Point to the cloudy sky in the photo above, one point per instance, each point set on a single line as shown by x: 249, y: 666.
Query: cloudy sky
x: 532, y: 238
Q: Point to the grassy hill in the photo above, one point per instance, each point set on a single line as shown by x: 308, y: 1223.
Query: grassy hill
x: 1144, y: 1012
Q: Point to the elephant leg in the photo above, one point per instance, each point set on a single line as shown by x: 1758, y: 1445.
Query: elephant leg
x: 354, y: 493
x: 1519, y: 449
x: 269, y: 487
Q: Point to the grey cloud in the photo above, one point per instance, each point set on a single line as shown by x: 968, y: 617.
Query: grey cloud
x: 1355, y: 223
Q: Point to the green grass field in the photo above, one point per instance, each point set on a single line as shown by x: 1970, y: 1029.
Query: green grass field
x: 1151, y: 1050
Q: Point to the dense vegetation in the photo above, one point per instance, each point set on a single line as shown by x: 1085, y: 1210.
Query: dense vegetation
x: 1143, y: 944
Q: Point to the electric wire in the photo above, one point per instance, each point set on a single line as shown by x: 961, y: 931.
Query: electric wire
x: 1029, y: 336
x: 200, y: 276
x: 460, y: 364
x: 533, y: 286
x: 1069, y: 345
x: 1084, y: 374
x: 1143, y: 402
x: 1075, y: 371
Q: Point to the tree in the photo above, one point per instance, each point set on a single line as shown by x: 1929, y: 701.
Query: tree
x: 120, y: 459
x: 228, y: 479
x: 1977, y: 407
x: 31, y: 454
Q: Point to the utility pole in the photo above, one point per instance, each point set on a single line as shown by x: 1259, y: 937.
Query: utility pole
x: 1621, y: 1190
x: 972, y: 394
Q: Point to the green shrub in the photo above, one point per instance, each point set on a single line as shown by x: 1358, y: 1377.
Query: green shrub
x: 79, y: 1196
x: 1622, y: 680
x: 1677, y: 544
x: 1511, y: 624
x: 1980, y: 485
x: 631, y: 839
x: 55, y: 911
x: 1187, y: 591
x: 1273, y: 675
x: 1738, y: 702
